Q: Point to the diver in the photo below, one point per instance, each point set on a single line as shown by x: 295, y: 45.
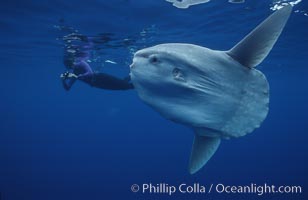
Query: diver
x: 75, y: 58
x: 83, y: 72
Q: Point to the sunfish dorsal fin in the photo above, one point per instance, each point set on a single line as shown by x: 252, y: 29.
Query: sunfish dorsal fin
x: 252, y: 50
x: 202, y: 150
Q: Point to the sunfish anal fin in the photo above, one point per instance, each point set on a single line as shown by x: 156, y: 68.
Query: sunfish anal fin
x: 202, y: 150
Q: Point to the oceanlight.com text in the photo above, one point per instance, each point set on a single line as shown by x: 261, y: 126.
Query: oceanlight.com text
x: 197, y: 188
x: 258, y: 189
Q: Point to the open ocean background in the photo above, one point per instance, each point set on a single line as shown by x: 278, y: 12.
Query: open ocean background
x: 94, y: 144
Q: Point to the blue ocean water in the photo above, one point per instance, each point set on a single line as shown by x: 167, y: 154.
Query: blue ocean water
x: 94, y: 144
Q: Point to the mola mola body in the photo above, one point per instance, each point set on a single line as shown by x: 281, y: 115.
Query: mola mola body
x: 219, y: 94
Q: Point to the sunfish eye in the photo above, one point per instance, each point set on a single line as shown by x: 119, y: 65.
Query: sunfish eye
x: 153, y: 59
x: 178, y: 75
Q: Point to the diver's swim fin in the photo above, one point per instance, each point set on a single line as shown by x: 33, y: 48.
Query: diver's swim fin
x: 127, y: 79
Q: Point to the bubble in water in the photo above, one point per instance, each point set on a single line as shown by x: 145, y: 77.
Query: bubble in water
x: 236, y: 1
x: 278, y: 4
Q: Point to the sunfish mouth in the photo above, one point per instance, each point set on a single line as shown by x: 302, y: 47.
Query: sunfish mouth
x: 136, y: 55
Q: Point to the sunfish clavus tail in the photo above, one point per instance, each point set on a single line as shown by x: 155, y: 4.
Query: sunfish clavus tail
x: 249, y: 52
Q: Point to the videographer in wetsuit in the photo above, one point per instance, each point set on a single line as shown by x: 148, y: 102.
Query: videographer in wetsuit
x: 79, y: 69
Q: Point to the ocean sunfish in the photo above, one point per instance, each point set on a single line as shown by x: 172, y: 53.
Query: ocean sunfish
x: 219, y: 94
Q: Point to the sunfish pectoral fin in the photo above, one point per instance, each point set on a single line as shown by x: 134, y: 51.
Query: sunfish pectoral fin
x: 252, y: 50
x: 202, y: 150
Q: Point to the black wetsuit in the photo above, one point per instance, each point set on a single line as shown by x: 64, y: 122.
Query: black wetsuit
x: 99, y: 80
x: 105, y: 81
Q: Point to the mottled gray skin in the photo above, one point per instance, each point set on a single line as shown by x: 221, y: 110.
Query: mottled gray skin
x: 217, y: 93
x: 201, y: 88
